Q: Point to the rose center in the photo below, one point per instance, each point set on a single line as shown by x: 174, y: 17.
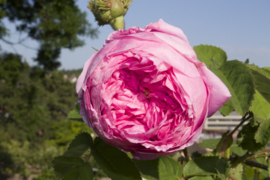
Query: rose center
x: 136, y: 110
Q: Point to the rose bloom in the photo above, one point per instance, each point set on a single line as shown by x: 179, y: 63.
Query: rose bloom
x: 146, y: 93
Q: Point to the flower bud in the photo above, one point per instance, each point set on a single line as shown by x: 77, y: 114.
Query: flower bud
x: 110, y: 12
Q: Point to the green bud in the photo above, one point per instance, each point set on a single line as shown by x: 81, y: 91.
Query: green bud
x: 110, y: 12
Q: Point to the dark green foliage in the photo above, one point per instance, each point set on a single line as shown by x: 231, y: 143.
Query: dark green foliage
x: 55, y: 24
x: 3, y: 29
x: 79, y: 145
x: 115, y: 163
x: 204, y: 166
x: 33, y: 115
x: 161, y: 168
x: 31, y: 105
x: 86, y: 172
x: 246, y: 138
x: 71, y: 165
x: 222, y: 168
x: 195, y: 155
x: 70, y: 168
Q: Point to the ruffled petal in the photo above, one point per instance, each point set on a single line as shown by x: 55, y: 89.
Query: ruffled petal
x: 219, y: 92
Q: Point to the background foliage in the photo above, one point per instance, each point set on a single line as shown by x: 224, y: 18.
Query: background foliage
x: 35, y: 101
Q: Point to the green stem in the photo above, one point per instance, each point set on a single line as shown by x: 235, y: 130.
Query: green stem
x: 260, y: 154
x: 241, y: 159
x: 256, y: 164
x: 246, y: 117
x: 187, y: 157
x: 118, y: 23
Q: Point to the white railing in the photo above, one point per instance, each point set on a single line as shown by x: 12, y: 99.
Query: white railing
x: 219, y: 122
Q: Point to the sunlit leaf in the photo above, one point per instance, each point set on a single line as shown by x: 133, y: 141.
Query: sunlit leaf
x: 210, y: 143
x: 210, y: 55
x: 162, y: 168
x: 75, y: 114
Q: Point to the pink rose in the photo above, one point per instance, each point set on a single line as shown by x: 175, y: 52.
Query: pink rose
x: 146, y: 93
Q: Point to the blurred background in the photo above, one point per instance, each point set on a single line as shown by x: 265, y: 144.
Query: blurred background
x: 44, y: 44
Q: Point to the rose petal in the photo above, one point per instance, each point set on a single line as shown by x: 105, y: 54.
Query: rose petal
x: 219, y: 93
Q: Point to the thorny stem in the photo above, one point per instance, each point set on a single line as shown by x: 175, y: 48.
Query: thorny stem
x: 256, y: 164
x: 246, y: 117
x: 241, y: 159
x: 249, y: 162
x: 187, y: 157
x: 261, y: 154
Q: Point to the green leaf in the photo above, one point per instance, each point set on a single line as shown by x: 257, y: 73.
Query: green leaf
x: 262, y: 71
x: 260, y: 107
x: 115, y: 163
x: 263, y: 133
x: 210, y: 143
x: 222, y: 168
x: 67, y: 161
x: 79, y: 145
x: 201, y: 178
x: 169, y: 169
x: 210, y: 55
x: 237, y: 172
x: 73, y: 174
x: 263, y: 160
x: 86, y: 172
x: 261, y: 103
x: 72, y: 168
x: 235, y: 149
x: 60, y: 171
x: 75, y: 114
x: 202, y: 166
x: 148, y: 167
x: 250, y: 173
x: 162, y: 168
x: 195, y: 155
x: 227, y: 108
x: 63, y: 165
x: 246, y: 138
x: 239, y: 80
x: 267, y: 69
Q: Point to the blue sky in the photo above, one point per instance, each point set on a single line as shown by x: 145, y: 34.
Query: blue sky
x: 241, y: 28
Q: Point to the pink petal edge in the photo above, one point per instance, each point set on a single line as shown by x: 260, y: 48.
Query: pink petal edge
x: 219, y: 92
